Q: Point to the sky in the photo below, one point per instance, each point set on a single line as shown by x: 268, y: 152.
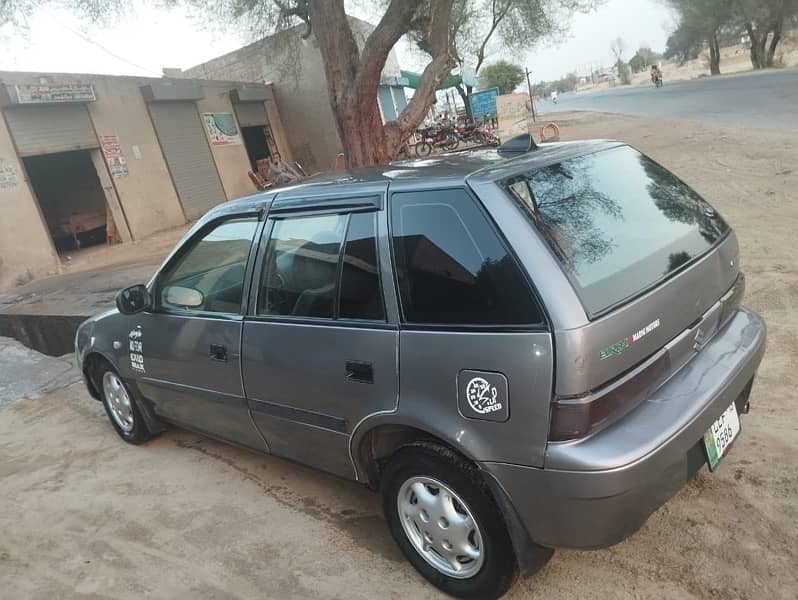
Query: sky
x: 149, y: 39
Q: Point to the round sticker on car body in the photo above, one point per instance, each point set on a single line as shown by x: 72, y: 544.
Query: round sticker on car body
x: 483, y: 395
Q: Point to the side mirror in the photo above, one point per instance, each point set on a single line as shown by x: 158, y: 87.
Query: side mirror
x: 133, y: 299
x: 183, y: 297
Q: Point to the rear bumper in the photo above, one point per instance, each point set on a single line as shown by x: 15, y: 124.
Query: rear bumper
x: 597, y: 491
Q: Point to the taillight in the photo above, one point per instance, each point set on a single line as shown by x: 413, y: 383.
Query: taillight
x: 573, y: 418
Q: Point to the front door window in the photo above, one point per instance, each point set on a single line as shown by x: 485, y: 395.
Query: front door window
x: 209, y: 276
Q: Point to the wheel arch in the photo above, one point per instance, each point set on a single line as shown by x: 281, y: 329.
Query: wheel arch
x: 375, y: 442
x: 91, y: 362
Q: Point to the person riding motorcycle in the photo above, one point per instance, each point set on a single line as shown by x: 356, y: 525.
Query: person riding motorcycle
x: 656, y: 75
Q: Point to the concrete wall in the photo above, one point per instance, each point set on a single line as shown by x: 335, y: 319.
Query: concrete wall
x: 25, y: 247
x: 295, y: 68
x: 232, y: 162
x: 147, y: 194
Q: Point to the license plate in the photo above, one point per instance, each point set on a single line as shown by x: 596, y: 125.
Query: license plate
x: 719, y: 437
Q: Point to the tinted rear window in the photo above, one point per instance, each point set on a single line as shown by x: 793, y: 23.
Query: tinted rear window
x: 618, y: 222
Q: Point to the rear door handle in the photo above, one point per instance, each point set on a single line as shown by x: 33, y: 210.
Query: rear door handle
x: 218, y: 352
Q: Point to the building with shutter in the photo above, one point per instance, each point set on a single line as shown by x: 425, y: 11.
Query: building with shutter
x: 294, y: 66
x: 92, y: 159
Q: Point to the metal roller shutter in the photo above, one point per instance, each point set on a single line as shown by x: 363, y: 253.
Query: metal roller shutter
x: 188, y: 156
x: 50, y: 129
x: 251, y: 114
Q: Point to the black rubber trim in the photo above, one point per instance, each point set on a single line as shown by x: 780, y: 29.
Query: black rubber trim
x: 299, y: 415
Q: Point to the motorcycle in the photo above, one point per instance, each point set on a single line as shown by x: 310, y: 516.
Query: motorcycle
x: 656, y: 79
x: 436, y: 136
x: 477, y: 133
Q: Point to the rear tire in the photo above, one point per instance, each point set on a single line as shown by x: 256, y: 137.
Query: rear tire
x: 446, y: 523
x: 451, y: 143
x: 120, y: 406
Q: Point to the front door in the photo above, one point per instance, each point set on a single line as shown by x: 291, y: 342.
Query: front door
x: 190, y: 343
x: 319, y: 354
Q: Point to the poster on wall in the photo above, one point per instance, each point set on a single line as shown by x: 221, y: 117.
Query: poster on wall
x: 222, y: 129
x: 46, y: 93
x: 114, y: 157
x: 8, y: 175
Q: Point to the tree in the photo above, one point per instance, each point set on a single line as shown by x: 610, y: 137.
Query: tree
x: 352, y: 72
x: 618, y: 47
x: 502, y: 74
x: 476, y: 26
x: 764, y: 20
x: 702, y: 21
x: 643, y: 59
x: 684, y: 44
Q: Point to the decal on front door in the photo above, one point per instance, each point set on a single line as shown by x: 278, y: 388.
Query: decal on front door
x: 136, y: 349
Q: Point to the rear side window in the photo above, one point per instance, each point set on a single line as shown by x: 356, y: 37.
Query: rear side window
x: 361, y: 295
x: 618, y: 222
x: 313, y: 261
x: 451, y: 266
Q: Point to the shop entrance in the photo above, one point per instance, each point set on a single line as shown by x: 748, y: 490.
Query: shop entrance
x: 256, y: 143
x: 71, y: 199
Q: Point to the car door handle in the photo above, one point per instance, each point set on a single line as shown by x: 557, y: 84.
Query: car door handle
x: 218, y: 352
x: 362, y: 372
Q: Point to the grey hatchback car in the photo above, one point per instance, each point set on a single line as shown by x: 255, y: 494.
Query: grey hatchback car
x: 522, y: 349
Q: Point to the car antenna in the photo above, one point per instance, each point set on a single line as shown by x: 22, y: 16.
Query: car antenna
x: 520, y: 144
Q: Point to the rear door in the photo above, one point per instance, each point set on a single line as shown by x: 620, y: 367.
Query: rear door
x: 319, y: 354
x: 476, y: 353
x: 187, y: 349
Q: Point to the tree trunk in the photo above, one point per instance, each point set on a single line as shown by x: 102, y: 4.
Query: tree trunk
x: 353, y: 76
x: 465, y: 95
x: 714, y: 54
x: 774, y: 42
x: 758, y: 43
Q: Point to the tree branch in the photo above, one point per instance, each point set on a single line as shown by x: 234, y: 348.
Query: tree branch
x: 401, y: 129
x: 393, y: 25
x: 497, y: 18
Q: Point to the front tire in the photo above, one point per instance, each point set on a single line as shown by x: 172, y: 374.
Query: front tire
x: 446, y: 523
x: 121, y: 407
x: 423, y: 149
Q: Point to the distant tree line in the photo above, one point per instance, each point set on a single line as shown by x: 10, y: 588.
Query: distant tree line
x: 715, y: 23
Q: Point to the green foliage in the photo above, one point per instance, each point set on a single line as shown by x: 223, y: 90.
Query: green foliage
x: 502, y: 74
x: 565, y: 84
x: 643, y: 59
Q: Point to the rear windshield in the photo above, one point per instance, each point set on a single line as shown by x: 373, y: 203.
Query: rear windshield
x: 618, y: 222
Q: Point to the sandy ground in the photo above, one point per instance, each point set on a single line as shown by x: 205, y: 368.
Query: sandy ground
x: 83, y: 515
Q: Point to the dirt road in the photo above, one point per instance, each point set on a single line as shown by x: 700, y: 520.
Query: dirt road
x: 83, y: 515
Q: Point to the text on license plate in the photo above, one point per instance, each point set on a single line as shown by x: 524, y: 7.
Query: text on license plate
x: 719, y: 437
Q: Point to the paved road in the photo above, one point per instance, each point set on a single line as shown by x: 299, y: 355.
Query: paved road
x: 766, y: 99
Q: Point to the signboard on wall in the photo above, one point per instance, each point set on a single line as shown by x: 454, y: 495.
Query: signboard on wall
x: 222, y: 129
x: 114, y: 157
x: 483, y: 103
x: 48, y: 93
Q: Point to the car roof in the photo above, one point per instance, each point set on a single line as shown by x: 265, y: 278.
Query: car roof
x: 443, y: 170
